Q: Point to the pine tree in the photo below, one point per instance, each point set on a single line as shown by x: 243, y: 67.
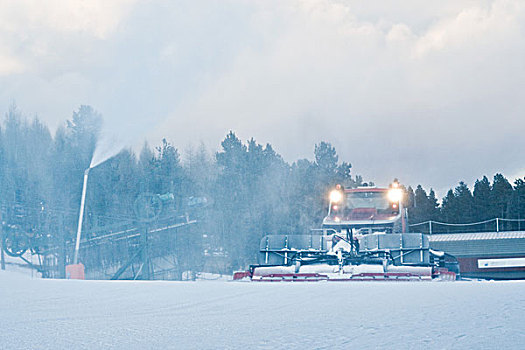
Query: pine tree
x: 433, y: 206
x: 482, y: 200
x: 326, y: 158
x: 458, y: 207
x: 448, y: 207
x: 408, y: 200
x: 146, y: 168
x: 518, y: 202
x: 201, y: 170
x: 231, y: 199
x: 420, y: 208
x: 500, y: 195
x: 168, y: 170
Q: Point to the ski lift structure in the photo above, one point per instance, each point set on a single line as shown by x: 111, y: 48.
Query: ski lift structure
x: 153, y: 244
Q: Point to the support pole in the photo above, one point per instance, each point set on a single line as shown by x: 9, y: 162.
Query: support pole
x: 430, y: 227
x: 2, y: 258
x: 2, y: 250
x: 497, y: 224
x: 403, y: 218
x: 62, y: 247
x: 145, y: 254
x: 81, y: 216
x: 123, y: 268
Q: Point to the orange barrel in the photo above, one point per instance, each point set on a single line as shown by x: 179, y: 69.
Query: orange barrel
x: 75, y: 271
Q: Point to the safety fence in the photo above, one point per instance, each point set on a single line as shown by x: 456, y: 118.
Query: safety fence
x: 491, y: 225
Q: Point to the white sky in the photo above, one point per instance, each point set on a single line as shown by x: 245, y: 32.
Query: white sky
x: 428, y: 92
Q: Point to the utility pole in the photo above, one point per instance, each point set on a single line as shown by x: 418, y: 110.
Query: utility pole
x: 519, y: 209
x: 145, y: 253
x: 2, y: 256
x: 62, y: 247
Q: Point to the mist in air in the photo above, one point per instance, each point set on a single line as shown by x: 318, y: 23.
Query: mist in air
x: 430, y: 95
x: 247, y: 141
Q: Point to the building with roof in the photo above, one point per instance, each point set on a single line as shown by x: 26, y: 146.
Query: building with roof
x: 491, y: 255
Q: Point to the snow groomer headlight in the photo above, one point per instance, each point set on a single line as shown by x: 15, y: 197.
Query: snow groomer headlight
x: 395, y: 194
x: 336, y: 196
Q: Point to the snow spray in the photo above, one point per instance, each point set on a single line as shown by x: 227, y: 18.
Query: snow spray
x: 81, y: 215
x: 108, y: 145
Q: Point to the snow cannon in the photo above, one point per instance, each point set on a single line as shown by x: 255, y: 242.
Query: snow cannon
x: 76, y: 270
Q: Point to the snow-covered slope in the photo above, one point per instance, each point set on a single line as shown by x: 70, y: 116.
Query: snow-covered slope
x: 61, y: 314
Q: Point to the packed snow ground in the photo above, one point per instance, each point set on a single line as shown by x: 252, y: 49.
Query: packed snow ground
x: 67, y: 314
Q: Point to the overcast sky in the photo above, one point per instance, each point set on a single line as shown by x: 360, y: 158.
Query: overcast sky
x: 428, y: 92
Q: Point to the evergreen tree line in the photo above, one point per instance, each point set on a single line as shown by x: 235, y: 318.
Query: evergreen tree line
x: 486, y: 201
x: 250, y: 190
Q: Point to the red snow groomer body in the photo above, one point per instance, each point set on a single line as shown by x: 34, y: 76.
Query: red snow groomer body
x: 366, y: 209
x: 363, y: 238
